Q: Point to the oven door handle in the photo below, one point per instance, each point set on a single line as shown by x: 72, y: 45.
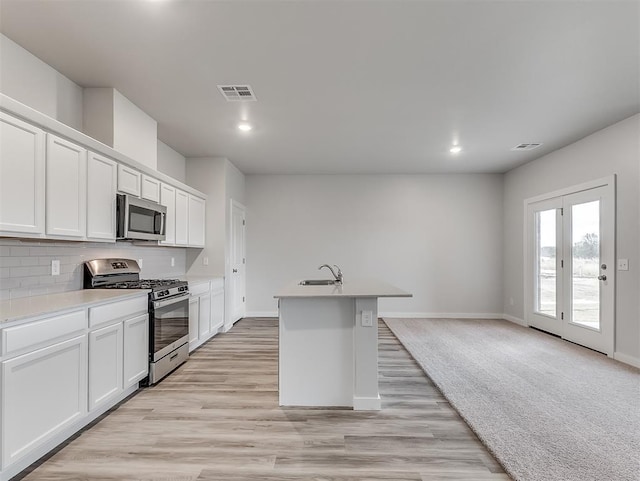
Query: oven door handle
x: 168, y: 302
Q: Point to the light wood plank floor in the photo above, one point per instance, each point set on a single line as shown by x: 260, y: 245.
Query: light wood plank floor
x: 217, y: 418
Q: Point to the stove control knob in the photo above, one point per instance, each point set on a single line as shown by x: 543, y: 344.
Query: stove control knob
x: 165, y: 293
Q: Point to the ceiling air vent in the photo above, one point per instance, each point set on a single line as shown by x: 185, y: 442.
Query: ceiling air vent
x: 526, y: 146
x: 237, y: 93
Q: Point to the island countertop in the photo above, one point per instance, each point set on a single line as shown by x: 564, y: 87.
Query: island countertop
x: 350, y: 288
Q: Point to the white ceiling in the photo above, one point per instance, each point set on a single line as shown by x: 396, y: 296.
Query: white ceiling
x: 351, y: 86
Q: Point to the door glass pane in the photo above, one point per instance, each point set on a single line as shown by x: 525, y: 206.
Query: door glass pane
x: 546, y: 262
x: 585, y: 264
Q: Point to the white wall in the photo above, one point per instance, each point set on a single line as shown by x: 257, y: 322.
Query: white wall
x: 436, y: 236
x: 135, y: 133
x: 171, y: 162
x: 207, y: 174
x: 114, y: 120
x: 221, y: 181
x: 32, y: 82
x: 614, y: 150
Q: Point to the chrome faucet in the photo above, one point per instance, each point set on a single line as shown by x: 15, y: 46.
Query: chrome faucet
x: 338, y: 276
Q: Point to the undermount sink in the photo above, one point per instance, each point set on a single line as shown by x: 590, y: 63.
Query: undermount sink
x: 318, y: 282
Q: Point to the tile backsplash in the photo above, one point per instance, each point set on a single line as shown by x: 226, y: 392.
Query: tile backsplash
x: 25, y: 265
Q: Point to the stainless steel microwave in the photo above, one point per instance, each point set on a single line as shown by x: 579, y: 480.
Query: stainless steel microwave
x: 139, y: 219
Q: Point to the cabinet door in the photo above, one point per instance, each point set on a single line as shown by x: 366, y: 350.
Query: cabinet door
x: 43, y: 392
x: 217, y: 309
x: 128, y: 180
x: 102, y: 175
x: 182, y: 217
x: 105, y: 364
x: 136, y: 349
x: 204, y: 315
x: 22, y: 169
x: 66, y: 188
x: 150, y: 188
x: 168, y: 199
x: 196, y: 221
x: 194, y: 320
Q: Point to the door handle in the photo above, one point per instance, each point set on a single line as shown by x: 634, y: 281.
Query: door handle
x: 235, y: 271
x: 602, y: 278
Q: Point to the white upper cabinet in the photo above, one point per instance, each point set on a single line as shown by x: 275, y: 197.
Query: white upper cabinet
x: 128, y: 180
x: 196, y: 221
x: 102, y: 175
x: 150, y: 188
x: 22, y: 177
x: 66, y: 199
x: 182, y: 218
x: 168, y: 199
x: 54, y: 188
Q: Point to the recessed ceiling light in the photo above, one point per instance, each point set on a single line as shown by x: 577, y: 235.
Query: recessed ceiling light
x: 456, y: 149
x: 245, y: 126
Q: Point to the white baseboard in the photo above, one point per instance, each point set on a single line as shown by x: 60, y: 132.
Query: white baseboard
x: 515, y: 320
x: 441, y: 315
x: 367, y: 403
x: 625, y: 358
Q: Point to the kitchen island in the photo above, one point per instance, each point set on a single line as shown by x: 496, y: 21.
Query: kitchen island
x: 328, y: 353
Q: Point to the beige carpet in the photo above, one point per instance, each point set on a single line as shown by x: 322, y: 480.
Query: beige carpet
x: 547, y: 409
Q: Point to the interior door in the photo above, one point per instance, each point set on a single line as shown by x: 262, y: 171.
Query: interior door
x: 237, y: 262
x: 570, y: 276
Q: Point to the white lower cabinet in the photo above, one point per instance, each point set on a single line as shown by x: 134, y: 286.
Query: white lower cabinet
x: 60, y: 372
x: 204, y: 316
x: 194, y: 321
x: 217, y: 304
x: 43, y: 392
x: 136, y: 349
x: 105, y: 364
x: 206, y: 311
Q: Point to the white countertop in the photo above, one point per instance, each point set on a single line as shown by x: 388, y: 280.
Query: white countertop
x: 26, y: 307
x: 350, y: 288
x: 199, y: 278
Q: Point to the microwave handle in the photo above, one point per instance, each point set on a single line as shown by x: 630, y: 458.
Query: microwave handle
x: 162, y: 223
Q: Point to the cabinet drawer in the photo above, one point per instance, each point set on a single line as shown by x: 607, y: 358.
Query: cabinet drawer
x: 39, y: 332
x: 199, y: 288
x: 117, y: 310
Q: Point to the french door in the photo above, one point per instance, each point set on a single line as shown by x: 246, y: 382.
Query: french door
x: 570, y: 266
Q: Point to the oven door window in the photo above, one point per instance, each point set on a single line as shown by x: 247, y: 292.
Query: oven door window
x: 170, y: 323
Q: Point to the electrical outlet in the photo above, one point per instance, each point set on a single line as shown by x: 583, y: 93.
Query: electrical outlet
x: 205, y: 261
x: 173, y: 262
x: 140, y: 263
x: 367, y: 319
x: 55, y: 268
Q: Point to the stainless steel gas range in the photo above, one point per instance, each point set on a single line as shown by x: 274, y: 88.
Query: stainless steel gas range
x: 168, y: 310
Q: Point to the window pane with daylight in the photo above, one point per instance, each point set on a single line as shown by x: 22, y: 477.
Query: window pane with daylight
x: 546, y: 262
x: 585, y: 264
